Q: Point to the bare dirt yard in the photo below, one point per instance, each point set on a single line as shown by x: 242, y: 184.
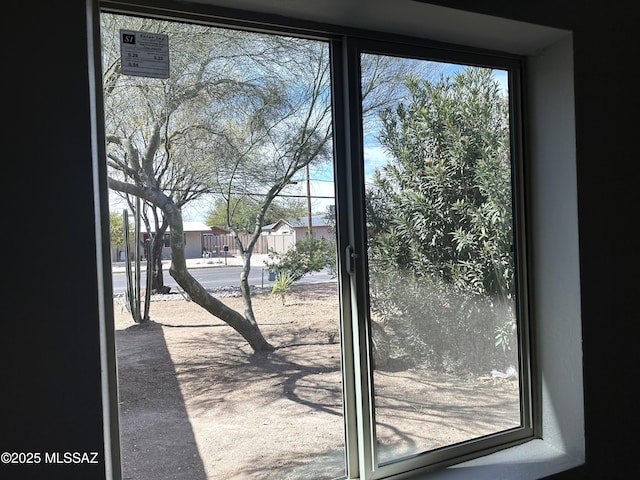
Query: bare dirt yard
x: 197, y: 404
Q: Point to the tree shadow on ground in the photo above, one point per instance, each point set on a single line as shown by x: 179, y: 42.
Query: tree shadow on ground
x: 145, y: 363
x: 280, y: 415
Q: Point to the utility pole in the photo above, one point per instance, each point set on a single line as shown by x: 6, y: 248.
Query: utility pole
x: 309, y: 226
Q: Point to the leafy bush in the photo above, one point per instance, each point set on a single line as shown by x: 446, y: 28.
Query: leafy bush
x: 430, y: 324
x: 440, y: 225
x: 308, y: 255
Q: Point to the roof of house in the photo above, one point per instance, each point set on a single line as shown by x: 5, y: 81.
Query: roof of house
x: 195, y: 227
x: 302, y: 222
x: 186, y: 226
x: 219, y: 230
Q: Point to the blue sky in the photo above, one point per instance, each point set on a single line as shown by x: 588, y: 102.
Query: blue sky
x: 321, y: 183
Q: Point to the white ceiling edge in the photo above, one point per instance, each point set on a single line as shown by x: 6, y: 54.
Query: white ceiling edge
x: 407, y: 17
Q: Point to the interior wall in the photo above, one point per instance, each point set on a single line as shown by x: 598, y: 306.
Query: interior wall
x: 51, y: 386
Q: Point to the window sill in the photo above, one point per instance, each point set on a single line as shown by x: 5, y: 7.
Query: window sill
x: 530, y: 461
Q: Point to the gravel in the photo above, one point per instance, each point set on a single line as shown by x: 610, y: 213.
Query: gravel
x: 220, y: 292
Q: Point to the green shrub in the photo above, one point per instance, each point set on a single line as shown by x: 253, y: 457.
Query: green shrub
x: 282, y: 285
x: 308, y: 255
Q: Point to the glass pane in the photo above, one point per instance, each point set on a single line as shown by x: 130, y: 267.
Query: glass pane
x: 441, y: 263
x: 233, y: 369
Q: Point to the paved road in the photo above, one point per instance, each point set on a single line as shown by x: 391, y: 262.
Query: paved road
x: 215, y: 277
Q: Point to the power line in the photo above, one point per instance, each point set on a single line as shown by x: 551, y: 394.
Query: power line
x: 296, y: 196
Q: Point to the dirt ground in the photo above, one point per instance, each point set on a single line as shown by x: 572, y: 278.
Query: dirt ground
x: 197, y: 404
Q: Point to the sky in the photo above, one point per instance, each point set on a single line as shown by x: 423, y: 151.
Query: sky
x: 374, y: 155
x: 321, y: 183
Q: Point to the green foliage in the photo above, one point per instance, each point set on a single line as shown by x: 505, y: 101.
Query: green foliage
x: 240, y: 213
x: 282, y: 285
x: 116, y: 223
x: 440, y: 220
x: 308, y: 255
x: 434, y: 326
x: 505, y: 335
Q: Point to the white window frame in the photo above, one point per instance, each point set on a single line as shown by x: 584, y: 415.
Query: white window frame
x: 551, y: 214
x: 368, y: 464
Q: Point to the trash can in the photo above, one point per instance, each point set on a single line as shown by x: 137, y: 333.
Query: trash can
x: 272, y: 276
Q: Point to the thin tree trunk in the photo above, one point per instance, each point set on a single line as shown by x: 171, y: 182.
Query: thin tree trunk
x: 158, y: 274
x: 245, y: 289
x: 245, y: 326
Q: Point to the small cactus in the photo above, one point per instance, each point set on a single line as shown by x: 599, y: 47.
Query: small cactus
x: 134, y: 292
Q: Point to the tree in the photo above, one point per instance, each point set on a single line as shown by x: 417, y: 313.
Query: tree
x: 159, y: 132
x: 439, y: 214
x: 241, y: 114
x: 241, y: 213
x: 261, y: 168
x: 147, y: 135
x: 116, y: 230
x: 264, y: 151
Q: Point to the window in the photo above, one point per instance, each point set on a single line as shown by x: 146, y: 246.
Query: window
x: 435, y: 298
x: 397, y: 287
x: 441, y: 260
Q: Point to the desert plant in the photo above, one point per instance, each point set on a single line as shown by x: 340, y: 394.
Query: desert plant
x: 440, y: 224
x: 133, y: 294
x: 282, y: 285
x: 308, y: 255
